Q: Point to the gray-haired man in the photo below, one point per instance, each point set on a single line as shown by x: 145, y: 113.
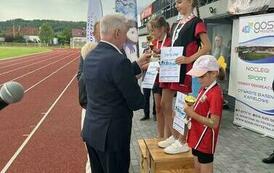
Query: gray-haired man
x: 113, y: 95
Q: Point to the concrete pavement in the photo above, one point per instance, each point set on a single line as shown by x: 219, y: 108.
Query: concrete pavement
x: 238, y: 150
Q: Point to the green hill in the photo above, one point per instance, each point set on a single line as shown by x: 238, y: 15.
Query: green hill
x: 57, y: 26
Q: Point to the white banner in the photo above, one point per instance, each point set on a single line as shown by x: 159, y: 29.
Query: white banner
x: 129, y: 9
x: 257, y: 31
x: 169, y: 70
x: 95, y: 12
x: 254, y: 108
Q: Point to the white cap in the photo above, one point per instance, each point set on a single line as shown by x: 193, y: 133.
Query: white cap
x: 204, y: 64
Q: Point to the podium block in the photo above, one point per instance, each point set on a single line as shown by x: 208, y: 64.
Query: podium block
x: 143, y: 156
x: 160, y: 162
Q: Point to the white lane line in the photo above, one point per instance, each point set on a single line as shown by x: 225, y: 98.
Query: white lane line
x: 35, y: 129
x: 25, y: 66
x: 50, y: 75
x: 37, y: 69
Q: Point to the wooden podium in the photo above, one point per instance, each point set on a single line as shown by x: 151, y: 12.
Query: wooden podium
x: 160, y: 162
x: 143, y: 156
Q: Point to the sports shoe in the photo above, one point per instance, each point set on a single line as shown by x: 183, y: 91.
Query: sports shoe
x: 176, y: 148
x: 269, y: 159
x: 167, y: 142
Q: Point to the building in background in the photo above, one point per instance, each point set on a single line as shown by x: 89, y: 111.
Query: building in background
x: 78, y: 38
x: 27, y: 34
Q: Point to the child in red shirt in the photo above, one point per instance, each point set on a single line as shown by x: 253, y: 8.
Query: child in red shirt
x: 160, y: 32
x: 205, y: 114
x: 189, y: 32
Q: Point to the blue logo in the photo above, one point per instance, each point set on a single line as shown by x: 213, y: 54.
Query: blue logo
x: 259, y: 27
x: 248, y: 28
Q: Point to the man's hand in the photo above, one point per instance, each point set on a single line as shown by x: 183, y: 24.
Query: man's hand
x: 156, y: 51
x: 145, y: 66
x: 143, y: 60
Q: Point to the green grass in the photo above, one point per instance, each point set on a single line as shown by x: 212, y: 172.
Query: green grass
x: 8, y: 52
x: 255, y: 56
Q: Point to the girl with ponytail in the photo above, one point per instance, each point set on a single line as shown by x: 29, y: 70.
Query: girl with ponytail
x: 191, y: 33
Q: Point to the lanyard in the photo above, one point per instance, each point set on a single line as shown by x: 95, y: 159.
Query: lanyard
x: 177, y: 30
x: 163, y: 42
x: 201, y: 96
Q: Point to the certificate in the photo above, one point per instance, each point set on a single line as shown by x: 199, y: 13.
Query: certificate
x: 150, y: 75
x: 169, y: 70
x: 179, y: 118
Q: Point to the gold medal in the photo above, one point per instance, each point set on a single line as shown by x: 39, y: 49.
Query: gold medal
x: 190, y: 100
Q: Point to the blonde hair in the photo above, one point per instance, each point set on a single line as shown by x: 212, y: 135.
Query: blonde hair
x: 96, y: 23
x: 87, y: 48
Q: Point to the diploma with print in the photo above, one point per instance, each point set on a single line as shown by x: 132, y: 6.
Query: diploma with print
x: 179, y: 118
x: 150, y: 75
x: 169, y: 70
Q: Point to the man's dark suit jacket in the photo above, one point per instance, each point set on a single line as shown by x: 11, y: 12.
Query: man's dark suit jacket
x: 113, y: 95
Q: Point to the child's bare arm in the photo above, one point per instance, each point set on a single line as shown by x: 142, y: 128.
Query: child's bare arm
x: 211, y: 122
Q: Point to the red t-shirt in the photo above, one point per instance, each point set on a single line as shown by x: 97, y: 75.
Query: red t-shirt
x: 201, y: 137
x: 167, y: 43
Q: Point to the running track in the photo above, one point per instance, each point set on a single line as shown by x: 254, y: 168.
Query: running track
x: 42, y: 132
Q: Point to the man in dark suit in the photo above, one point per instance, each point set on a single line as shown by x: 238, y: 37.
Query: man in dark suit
x: 113, y: 94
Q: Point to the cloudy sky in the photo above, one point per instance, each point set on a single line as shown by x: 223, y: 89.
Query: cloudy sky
x: 70, y: 10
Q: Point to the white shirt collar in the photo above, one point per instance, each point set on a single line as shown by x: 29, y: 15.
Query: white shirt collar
x: 112, y: 46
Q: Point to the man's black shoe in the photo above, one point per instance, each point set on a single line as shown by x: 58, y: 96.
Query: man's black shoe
x: 270, y: 159
x: 225, y: 106
x: 144, y: 118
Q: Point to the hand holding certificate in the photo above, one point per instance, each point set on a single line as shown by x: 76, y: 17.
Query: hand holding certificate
x: 150, y: 75
x: 169, y: 70
x: 155, y: 57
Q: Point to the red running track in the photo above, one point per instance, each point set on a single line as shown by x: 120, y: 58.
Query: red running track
x: 42, y: 132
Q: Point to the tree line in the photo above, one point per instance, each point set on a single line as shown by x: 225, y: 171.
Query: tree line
x: 48, y: 29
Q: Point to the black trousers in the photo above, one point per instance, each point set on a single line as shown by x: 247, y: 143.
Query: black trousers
x: 109, y: 162
x: 147, y: 92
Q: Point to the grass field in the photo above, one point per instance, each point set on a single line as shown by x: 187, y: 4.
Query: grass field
x: 250, y: 56
x: 8, y: 52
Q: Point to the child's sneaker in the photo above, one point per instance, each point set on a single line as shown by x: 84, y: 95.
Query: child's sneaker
x: 176, y: 148
x: 167, y: 142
